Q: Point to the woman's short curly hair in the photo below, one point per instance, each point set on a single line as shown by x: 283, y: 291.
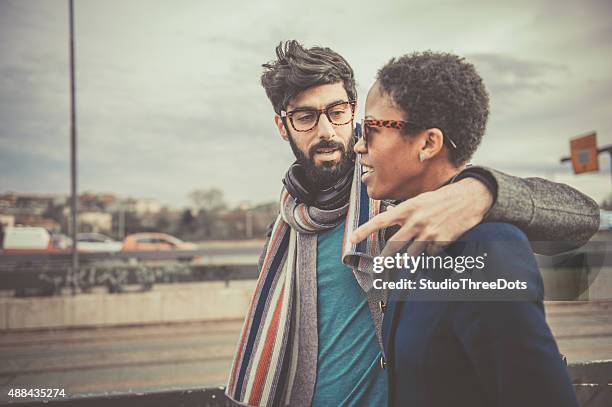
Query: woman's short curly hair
x: 440, y: 90
x: 297, y: 68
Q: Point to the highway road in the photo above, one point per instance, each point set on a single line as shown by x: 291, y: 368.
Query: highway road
x: 187, y: 355
x: 137, y: 358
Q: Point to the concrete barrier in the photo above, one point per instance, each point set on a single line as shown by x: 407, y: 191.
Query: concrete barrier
x: 219, y: 300
x: 573, y: 283
x: 202, y: 301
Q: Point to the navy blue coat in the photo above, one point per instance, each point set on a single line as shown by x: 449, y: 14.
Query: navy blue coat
x: 477, y: 353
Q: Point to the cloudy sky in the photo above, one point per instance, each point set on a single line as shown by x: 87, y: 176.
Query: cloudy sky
x: 168, y: 94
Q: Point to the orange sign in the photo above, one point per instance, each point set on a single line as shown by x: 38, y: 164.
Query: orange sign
x: 584, y: 153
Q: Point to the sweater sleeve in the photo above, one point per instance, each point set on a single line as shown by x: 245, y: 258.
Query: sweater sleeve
x: 555, y: 217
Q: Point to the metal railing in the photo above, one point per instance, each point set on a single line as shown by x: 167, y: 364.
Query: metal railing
x: 592, y: 383
x: 49, y: 273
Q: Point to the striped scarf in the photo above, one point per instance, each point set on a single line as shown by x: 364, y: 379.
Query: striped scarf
x: 276, y: 360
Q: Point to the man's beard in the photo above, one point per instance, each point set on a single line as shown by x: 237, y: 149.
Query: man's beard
x: 329, y: 172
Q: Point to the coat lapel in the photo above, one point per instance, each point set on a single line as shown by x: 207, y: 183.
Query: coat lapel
x: 387, y: 324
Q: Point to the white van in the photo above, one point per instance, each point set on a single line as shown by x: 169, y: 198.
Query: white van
x: 605, y: 220
x: 26, y: 238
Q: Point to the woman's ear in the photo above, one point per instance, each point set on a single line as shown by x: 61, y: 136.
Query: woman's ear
x: 432, y: 143
x: 281, y: 127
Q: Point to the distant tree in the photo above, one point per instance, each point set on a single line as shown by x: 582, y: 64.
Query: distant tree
x: 187, y: 225
x: 132, y: 223
x: 207, y: 204
x: 56, y: 212
x: 163, y: 223
x: 209, y: 200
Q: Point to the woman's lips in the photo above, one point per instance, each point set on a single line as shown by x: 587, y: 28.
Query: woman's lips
x: 366, y: 172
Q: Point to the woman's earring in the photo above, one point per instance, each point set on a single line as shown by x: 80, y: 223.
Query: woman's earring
x: 421, y: 156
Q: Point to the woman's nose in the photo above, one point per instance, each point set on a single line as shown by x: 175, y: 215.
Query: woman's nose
x: 360, y: 147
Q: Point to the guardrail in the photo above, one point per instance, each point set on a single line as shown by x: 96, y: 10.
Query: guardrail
x: 48, y: 273
x: 592, y: 383
x: 208, y: 397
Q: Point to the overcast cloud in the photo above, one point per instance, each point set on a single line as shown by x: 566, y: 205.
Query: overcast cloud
x: 168, y: 94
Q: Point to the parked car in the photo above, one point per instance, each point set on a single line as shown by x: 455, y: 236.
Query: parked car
x: 60, y: 241
x: 26, y: 238
x: 97, y: 242
x: 155, y: 241
x: 605, y: 220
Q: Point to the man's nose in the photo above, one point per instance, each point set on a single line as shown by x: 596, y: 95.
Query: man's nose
x: 326, y: 129
x: 360, y: 146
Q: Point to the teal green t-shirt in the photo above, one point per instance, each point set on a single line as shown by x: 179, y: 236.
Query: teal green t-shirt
x: 348, y: 370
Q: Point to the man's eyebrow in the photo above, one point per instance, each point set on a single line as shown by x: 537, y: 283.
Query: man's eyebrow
x: 316, y: 108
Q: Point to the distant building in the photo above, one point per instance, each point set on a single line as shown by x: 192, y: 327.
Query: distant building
x: 28, y: 210
x: 246, y: 221
x: 100, y: 222
x: 25, y: 204
x: 38, y: 221
x: 141, y: 206
x: 93, y: 201
x: 7, y: 220
x: 90, y: 221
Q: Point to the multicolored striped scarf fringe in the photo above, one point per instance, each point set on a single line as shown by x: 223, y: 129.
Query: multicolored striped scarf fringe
x: 275, y: 362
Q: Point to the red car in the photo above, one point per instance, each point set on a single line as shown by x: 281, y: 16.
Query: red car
x: 155, y: 241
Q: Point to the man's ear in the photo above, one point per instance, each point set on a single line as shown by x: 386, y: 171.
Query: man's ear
x: 281, y: 127
x: 433, y: 141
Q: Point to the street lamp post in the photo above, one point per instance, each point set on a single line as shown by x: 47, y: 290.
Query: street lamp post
x: 70, y: 280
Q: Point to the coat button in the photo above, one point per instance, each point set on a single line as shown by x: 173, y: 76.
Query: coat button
x: 382, y: 306
x: 383, y: 363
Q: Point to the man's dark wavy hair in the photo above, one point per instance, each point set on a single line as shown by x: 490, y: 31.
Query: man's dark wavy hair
x: 297, y: 68
x: 440, y: 90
